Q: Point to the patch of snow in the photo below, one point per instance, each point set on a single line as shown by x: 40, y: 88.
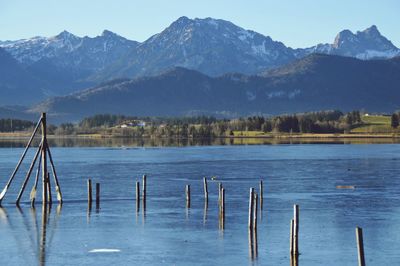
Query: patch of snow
x: 259, y: 49
x: 369, y: 54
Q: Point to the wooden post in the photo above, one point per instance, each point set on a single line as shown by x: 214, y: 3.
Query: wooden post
x: 223, y: 208
x: 97, y: 195
x: 144, y: 187
x: 251, y: 203
x: 255, y: 243
x: 187, y: 196
x: 360, y: 246
x: 251, y: 242
x: 296, y: 230
x: 205, y: 188
x: 50, y: 201
x: 261, y: 194
x: 137, y: 191
x: 44, y: 160
x: 144, y: 179
x: 219, y: 194
x: 89, y: 191
x: 291, y: 236
x: 255, y: 209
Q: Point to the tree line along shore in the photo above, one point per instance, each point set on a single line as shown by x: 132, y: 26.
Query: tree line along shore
x: 322, y: 124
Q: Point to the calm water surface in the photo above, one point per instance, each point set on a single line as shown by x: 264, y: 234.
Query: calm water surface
x: 169, y: 234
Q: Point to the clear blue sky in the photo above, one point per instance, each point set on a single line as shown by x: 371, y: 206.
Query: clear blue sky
x: 297, y: 23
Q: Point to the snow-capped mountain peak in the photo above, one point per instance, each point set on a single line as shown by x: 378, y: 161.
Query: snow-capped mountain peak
x: 70, y: 51
x: 366, y: 44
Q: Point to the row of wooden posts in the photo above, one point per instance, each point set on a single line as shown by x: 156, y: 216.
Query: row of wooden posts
x: 255, y: 202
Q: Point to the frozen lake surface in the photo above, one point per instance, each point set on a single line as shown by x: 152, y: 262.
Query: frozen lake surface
x: 169, y: 234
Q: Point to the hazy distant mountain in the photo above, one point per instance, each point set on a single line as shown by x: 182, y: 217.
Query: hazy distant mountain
x: 316, y: 82
x: 17, y: 85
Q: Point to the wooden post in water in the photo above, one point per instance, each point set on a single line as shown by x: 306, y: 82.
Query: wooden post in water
x: 97, y: 195
x: 291, y: 237
x: 187, y: 196
x: 360, y: 246
x: 205, y: 189
x: 296, y: 230
x: 219, y: 194
x: 50, y: 201
x: 144, y: 192
x: 251, y: 203
x: 223, y: 208
x: 44, y: 160
x: 255, y: 212
x: 89, y: 191
x: 261, y: 194
x: 137, y: 195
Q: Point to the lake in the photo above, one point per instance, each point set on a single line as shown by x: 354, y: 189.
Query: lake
x: 167, y: 233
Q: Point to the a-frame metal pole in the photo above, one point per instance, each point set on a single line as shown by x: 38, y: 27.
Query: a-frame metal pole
x: 44, y: 159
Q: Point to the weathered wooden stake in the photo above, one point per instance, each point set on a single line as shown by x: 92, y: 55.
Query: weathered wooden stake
x: 28, y: 174
x: 255, y: 211
x: 89, y: 191
x: 360, y: 246
x: 296, y: 230
x: 251, y: 242
x: 255, y: 244
x: 50, y: 200
x: 219, y: 194
x: 187, y: 196
x: 261, y: 194
x: 251, y: 203
x: 291, y: 236
x: 137, y: 195
x: 223, y: 208
x: 144, y: 179
x: 44, y: 160
x: 144, y: 187
x: 205, y: 188
x: 97, y: 195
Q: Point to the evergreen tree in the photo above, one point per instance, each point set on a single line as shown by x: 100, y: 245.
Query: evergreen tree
x: 394, y: 121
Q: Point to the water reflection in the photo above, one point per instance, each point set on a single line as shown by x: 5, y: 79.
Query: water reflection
x: 40, y: 238
x: 173, y: 142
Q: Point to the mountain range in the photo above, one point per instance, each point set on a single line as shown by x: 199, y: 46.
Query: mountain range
x: 316, y: 82
x: 63, y: 64
x: 196, y: 66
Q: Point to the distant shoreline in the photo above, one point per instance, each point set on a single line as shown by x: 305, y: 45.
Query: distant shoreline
x: 23, y: 135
